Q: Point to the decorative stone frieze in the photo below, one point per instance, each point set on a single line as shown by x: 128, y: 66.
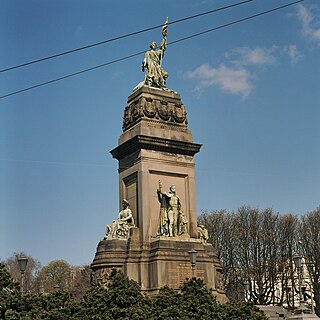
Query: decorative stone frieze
x: 160, y: 109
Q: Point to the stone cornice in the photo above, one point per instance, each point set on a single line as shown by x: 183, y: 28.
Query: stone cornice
x: 157, y: 144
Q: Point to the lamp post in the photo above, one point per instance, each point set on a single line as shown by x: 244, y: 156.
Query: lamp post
x: 22, y: 261
x: 193, y: 259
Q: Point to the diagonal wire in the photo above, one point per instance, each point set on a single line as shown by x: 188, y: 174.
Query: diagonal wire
x: 73, y: 74
x: 141, y: 52
x: 121, y: 37
x: 235, y: 22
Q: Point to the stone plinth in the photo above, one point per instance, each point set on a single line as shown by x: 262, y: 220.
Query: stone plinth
x: 163, y: 261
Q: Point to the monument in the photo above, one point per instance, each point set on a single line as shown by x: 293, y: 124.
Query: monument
x: 157, y: 226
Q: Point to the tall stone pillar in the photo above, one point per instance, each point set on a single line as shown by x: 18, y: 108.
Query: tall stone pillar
x: 156, y: 145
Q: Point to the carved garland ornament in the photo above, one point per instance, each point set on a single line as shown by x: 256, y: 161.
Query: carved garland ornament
x: 146, y: 107
x: 149, y: 108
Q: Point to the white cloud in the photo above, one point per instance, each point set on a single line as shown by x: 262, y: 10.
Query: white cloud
x: 294, y: 54
x: 235, y: 81
x: 244, y: 56
x: 310, y: 26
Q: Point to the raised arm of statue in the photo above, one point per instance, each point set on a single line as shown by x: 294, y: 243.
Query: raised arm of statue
x: 159, y: 192
x: 163, y: 45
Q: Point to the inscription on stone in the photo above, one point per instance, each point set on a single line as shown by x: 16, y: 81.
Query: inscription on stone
x: 179, y: 274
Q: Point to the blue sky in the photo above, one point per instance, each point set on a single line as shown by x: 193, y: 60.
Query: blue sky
x: 251, y: 92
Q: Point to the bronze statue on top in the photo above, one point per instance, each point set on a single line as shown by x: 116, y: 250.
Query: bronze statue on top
x: 152, y: 63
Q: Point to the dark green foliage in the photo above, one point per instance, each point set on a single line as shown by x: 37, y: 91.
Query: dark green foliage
x: 53, y: 306
x: 166, y: 305
x: 9, y: 295
x: 197, y: 300
x: 121, y: 299
x: 6, y: 282
x: 194, y: 302
x: 241, y: 311
x: 14, y: 306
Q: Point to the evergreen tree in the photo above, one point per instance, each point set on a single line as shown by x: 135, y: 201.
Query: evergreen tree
x: 53, y: 306
x: 198, y: 301
x: 9, y: 295
x: 166, y: 305
x: 121, y: 299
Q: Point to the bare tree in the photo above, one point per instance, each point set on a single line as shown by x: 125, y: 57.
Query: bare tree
x: 222, y: 232
x: 81, y: 281
x: 287, y: 237
x: 255, y: 246
x: 310, y: 243
x: 257, y: 251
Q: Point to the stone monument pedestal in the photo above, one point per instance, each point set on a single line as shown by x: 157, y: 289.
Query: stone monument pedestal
x: 164, y: 261
x: 156, y: 153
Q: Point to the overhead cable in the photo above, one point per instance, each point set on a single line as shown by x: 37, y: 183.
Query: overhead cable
x: 121, y: 37
x: 141, y: 52
x: 235, y: 22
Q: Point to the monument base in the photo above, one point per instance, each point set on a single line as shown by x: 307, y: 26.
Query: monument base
x: 163, y: 261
